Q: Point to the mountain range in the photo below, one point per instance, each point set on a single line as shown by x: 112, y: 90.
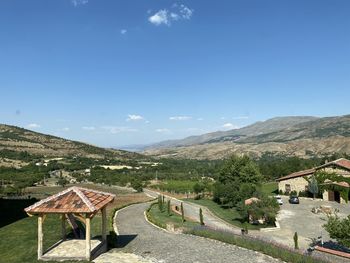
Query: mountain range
x: 303, y: 136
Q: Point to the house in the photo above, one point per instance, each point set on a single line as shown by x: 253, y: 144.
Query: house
x: 298, y: 181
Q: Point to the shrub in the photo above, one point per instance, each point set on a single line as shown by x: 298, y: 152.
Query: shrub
x: 160, y: 203
x: 339, y: 229
x: 168, y: 207
x: 201, y: 216
x: 295, y: 238
x: 182, y: 213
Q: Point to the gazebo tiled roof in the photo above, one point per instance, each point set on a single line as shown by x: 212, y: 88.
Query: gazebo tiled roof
x: 72, y: 200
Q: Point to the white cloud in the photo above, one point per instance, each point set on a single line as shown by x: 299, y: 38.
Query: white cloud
x: 123, y: 31
x: 161, y: 17
x: 229, y: 126
x: 79, y: 2
x: 88, y: 128
x: 134, y: 117
x: 185, y: 12
x: 65, y: 129
x: 161, y: 130
x: 33, y: 126
x: 114, y: 129
x: 166, y: 17
x: 180, y: 118
x: 200, y: 119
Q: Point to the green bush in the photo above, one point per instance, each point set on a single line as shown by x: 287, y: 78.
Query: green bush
x: 339, y: 229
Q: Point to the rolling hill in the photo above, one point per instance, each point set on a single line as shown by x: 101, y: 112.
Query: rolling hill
x: 302, y: 136
x: 17, y: 139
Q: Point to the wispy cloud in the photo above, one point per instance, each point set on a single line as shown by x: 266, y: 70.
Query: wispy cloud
x: 134, y: 117
x: 180, y: 118
x: 163, y: 130
x: 229, y: 126
x: 115, y: 129
x: 200, y: 119
x: 88, y: 128
x: 65, y: 129
x: 33, y: 126
x: 76, y: 3
x: 166, y: 17
x: 123, y: 31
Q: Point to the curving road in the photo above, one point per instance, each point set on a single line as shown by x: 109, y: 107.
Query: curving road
x: 192, y: 211
x: 137, y: 236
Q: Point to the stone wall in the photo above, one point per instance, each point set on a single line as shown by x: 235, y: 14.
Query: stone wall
x: 296, y: 184
x: 338, y: 171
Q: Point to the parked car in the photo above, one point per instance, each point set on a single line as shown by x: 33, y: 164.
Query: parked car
x: 279, y: 200
x: 294, y: 200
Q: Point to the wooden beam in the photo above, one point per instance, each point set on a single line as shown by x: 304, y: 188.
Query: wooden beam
x: 104, y: 225
x: 87, y: 238
x: 63, y: 226
x: 40, y: 236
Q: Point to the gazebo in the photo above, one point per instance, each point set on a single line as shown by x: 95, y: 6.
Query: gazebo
x: 73, y: 204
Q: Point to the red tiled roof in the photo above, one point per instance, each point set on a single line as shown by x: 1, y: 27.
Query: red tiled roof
x: 342, y: 162
x: 297, y: 174
x: 72, y: 200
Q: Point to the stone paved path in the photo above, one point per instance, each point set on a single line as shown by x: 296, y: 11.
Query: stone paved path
x: 137, y: 236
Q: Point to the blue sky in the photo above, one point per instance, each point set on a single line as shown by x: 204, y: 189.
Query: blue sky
x: 131, y: 72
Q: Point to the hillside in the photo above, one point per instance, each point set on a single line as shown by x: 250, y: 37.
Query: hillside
x: 17, y: 139
x: 300, y: 136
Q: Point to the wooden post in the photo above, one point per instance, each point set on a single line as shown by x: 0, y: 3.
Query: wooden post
x: 104, y: 225
x: 63, y: 225
x: 40, y: 236
x: 88, y: 238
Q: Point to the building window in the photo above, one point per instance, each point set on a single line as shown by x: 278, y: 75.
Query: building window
x: 287, y: 188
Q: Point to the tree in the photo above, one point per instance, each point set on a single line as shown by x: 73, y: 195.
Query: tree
x: 137, y: 185
x: 201, y: 216
x: 160, y: 203
x: 339, y: 229
x: 295, y: 238
x: 240, y: 169
x: 238, y: 180
x: 313, y: 186
x: 182, y: 213
x: 62, y: 181
x: 198, y: 188
x: 169, y: 207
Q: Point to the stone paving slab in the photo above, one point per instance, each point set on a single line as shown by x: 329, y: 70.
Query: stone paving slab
x: 120, y: 257
x: 138, y: 237
x: 71, y: 248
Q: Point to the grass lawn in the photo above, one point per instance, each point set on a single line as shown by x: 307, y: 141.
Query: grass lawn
x: 230, y: 215
x: 161, y: 219
x: 18, y: 242
x: 270, y: 188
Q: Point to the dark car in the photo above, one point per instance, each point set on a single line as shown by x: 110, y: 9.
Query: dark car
x: 294, y: 200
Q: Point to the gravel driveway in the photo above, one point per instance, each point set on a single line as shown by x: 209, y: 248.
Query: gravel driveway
x: 143, y: 239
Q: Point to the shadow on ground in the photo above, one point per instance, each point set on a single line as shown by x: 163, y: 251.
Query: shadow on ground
x: 13, y: 209
x: 123, y: 240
